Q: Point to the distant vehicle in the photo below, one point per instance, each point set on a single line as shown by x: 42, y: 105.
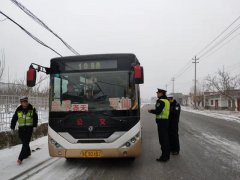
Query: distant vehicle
x: 94, y: 105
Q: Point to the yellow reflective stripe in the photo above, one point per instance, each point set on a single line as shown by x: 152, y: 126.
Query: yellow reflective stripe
x: 20, y: 114
x: 25, y: 124
x: 27, y: 121
x: 165, y: 112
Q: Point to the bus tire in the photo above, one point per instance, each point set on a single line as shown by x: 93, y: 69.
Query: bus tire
x: 131, y: 159
x: 69, y: 159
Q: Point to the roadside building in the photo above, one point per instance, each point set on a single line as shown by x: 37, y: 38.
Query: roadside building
x: 218, y: 101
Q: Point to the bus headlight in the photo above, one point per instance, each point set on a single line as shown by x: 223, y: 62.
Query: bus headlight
x: 128, y: 144
x: 52, y: 141
x: 55, y: 143
x: 133, y: 140
x: 138, y: 134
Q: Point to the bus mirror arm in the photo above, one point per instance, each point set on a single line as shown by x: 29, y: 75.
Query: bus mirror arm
x: 40, y: 68
x: 32, y: 75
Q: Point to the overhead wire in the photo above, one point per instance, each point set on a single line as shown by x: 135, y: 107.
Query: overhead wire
x: 40, y: 22
x: 188, y: 66
x: 220, y: 47
x: 183, y: 69
x: 218, y: 36
x: 29, y: 34
x: 221, y: 41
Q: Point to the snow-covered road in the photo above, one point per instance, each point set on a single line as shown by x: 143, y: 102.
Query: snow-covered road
x: 209, y: 150
x: 8, y: 158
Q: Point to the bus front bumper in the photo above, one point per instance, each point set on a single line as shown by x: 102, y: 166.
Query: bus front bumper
x: 133, y: 151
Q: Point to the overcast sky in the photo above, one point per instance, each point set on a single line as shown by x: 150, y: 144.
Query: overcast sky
x: 164, y: 34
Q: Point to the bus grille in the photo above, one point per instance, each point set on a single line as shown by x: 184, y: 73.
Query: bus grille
x: 93, y: 135
x: 91, y: 141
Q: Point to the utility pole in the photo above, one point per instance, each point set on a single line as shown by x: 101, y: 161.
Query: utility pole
x: 195, y: 81
x: 173, y: 85
x: 8, y: 79
x: 166, y: 87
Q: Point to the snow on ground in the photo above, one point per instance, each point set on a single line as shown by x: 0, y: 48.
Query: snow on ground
x: 221, y: 114
x: 9, y: 156
x: 228, y: 147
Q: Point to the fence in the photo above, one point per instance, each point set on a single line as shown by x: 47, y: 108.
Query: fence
x: 9, y: 103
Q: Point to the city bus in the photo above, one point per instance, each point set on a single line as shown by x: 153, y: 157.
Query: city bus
x: 94, y: 105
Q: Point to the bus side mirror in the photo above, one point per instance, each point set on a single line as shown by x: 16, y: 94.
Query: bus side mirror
x: 138, y: 74
x: 31, y: 77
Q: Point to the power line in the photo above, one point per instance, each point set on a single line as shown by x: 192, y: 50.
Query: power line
x: 221, y: 46
x: 36, y: 19
x: 188, y: 65
x: 218, y: 35
x: 222, y: 40
x: 31, y: 35
x: 183, y: 70
x: 180, y: 73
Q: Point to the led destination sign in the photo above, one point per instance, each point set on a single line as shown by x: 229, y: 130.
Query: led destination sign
x: 91, y: 65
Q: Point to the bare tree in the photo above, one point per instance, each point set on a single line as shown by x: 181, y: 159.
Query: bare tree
x: 19, y: 87
x: 199, y: 93
x: 2, y: 63
x: 223, y: 83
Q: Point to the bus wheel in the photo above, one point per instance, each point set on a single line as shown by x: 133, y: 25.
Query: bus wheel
x: 131, y: 159
x: 69, y: 159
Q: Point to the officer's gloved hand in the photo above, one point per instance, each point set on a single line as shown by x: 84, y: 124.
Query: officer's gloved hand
x: 34, y: 129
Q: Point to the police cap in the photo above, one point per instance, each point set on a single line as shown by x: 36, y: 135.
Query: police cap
x: 24, y: 98
x: 161, y: 91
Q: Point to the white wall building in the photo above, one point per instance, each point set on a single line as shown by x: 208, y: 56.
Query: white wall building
x: 215, y: 100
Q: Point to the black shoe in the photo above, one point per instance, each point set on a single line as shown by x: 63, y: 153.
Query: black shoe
x: 163, y: 159
x: 175, y: 153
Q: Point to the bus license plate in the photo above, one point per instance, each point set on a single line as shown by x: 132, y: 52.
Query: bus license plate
x: 91, y: 154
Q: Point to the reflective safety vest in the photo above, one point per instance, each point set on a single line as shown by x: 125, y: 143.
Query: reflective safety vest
x: 165, y: 112
x: 25, y: 119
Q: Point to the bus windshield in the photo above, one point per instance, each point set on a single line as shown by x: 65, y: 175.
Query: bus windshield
x: 92, y: 91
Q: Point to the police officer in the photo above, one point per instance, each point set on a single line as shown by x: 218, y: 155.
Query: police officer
x: 162, y: 114
x: 27, y: 119
x: 175, y: 110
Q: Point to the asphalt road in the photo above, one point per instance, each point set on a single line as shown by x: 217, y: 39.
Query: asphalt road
x: 210, y: 149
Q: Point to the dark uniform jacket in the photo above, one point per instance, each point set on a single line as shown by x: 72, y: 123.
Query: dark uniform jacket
x: 20, y: 108
x: 175, y: 110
